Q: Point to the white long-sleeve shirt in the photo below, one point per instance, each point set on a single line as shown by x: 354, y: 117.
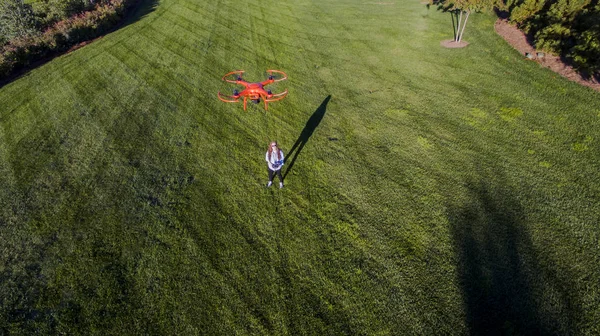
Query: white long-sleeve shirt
x: 276, y: 161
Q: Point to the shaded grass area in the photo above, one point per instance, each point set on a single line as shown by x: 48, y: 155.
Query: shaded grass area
x: 134, y: 12
x: 308, y: 130
x: 501, y: 273
x: 428, y: 191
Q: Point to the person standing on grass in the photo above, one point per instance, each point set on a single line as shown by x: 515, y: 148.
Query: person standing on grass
x: 274, y: 158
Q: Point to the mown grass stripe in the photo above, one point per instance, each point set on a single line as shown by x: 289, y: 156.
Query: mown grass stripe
x: 430, y: 168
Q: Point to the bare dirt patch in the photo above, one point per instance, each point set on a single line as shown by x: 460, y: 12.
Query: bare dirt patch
x: 453, y: 44
x: 518, y: 40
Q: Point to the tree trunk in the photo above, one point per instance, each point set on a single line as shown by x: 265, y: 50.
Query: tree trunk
x: 463, y: 27
x: 457, y: 34
x: 454, y: 17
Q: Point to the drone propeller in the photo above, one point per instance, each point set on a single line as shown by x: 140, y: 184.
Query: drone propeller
x: 224, y: 98
x: 271, y: 77
x: 238, y: 78
x: 277, y: 96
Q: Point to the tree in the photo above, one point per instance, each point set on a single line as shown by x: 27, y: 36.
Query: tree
x: 16, y: 20
x: 51, y: 11
x: 461, y: 9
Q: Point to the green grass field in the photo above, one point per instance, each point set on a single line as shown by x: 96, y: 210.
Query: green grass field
x: 432, y: 191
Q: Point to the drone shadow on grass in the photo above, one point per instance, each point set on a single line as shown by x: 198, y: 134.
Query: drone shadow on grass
x: 500, y: 271
x: 309, y: 128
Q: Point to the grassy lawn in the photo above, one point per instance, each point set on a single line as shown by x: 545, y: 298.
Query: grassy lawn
x: 430, y: 191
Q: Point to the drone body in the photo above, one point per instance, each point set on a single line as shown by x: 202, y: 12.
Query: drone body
x: 253, y: 91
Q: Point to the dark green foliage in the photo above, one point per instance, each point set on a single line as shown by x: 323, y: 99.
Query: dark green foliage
x: 16, y: 20
x: 22, y: 51
x: 565, y: 27
x: 51, y: 11
x: 20, y: 20
x: 525, y: 10
x: 586, y: 49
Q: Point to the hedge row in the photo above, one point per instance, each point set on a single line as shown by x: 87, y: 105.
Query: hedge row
x: 570, y: 28
x: 23, y: 51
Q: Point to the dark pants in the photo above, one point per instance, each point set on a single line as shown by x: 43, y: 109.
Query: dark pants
x: 273, y: 172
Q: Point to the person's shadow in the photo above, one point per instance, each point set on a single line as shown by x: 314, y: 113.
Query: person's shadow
x: 309, y: 128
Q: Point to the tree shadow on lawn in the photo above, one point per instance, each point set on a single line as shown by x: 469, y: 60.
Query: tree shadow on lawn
x: 140, y: 10
x: 309, y: 128
x: 502, y: 278
x: 137, y: 11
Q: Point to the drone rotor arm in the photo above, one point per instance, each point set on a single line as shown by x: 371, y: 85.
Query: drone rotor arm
x: 226, y: 99
x: 267, y: 82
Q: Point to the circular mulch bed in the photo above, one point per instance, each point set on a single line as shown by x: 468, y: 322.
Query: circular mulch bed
x: 453, y: 44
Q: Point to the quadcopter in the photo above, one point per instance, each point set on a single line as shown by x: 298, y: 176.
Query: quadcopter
x: 254, y: 91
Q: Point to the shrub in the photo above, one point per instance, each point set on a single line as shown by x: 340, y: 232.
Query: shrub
x: 586, y: 52
x: 52, y: 11
x: 552, y: 38
x: 16, y: 20
x: 21, y: 51
x: 525, y: 11
x: 570, y: 28
x: 5, y: 66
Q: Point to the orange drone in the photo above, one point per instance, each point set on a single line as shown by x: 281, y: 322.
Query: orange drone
x: 254, y: 91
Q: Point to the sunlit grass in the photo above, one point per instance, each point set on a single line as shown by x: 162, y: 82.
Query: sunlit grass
x: 437, y: 191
